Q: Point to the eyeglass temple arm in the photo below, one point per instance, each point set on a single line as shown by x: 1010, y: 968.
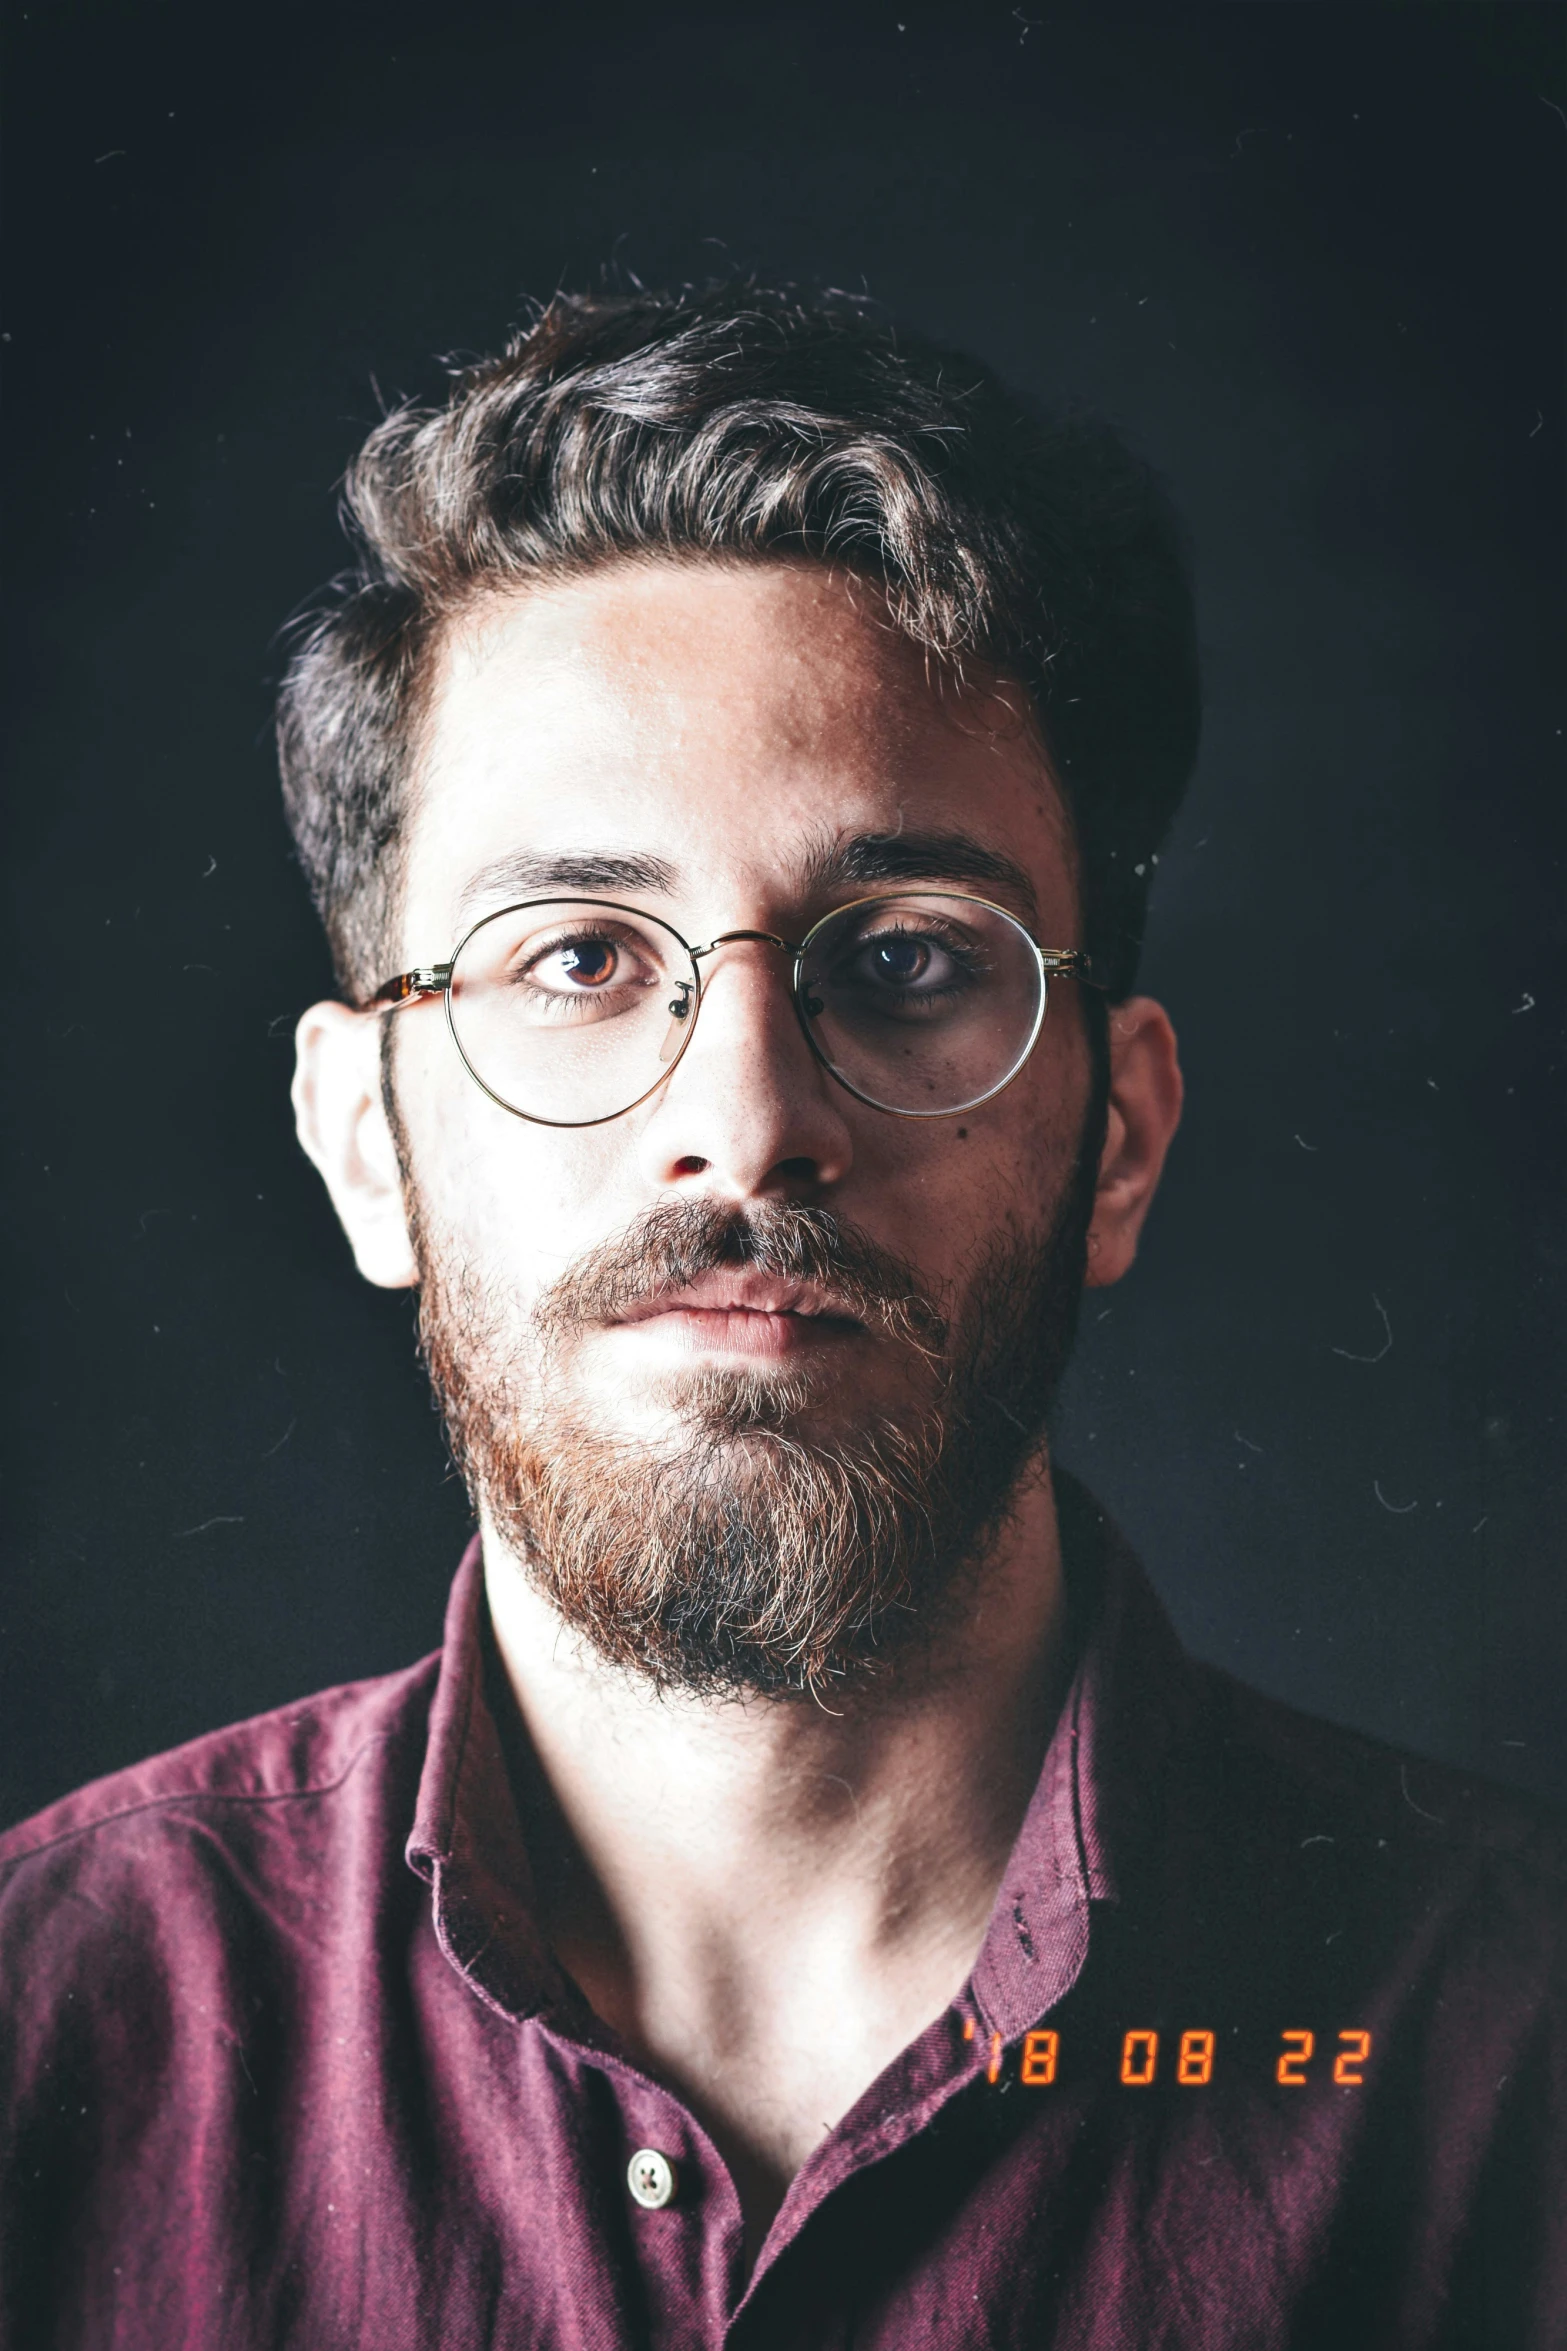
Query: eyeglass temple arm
x: 428, y: 979
x: 1071, y: 963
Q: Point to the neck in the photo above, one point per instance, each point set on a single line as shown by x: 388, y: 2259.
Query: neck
x: 722, y: 1877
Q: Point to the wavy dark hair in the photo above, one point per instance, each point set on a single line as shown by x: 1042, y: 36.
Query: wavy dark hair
x: 746, y: 422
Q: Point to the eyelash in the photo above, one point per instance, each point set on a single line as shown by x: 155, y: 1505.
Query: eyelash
x: 929, y: 932
x: 602, y: 934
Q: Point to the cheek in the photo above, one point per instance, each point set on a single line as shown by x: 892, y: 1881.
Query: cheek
x: 517, y: 1200
x: 964, y: 1184
x: 1007, y: 1163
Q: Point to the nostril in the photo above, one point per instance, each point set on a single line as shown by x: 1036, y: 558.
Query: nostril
x: 691, y: 1165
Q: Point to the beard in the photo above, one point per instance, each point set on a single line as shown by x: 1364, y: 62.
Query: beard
x: 762, y: 1547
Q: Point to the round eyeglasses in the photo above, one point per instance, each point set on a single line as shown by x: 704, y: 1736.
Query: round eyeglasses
x: 571, y: 1011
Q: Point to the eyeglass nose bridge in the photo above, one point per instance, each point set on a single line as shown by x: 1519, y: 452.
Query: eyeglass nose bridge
x: 724, y: 939
x: 681, y: 1006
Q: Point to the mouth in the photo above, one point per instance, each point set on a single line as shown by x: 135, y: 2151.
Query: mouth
x: 739, y: 1311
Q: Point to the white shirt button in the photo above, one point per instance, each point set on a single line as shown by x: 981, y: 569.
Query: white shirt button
x: 651, y: 2178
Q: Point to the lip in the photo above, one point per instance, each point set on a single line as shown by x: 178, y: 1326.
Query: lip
x: 738, y: 1311
x: 742, y: 1290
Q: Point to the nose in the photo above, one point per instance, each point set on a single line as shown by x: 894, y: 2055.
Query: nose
x: 748, y: 1112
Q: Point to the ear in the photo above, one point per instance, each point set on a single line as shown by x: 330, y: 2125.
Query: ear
x: 1144, y: 1112
x: 342, y: 1125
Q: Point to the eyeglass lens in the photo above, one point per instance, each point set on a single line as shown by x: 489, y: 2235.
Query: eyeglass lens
x: 571, y: 1012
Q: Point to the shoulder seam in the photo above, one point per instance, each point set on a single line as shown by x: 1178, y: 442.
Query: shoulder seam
x: 1470, y: 1828
x: 197, y: 1795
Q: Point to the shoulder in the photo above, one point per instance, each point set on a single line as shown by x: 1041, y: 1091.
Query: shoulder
x: 1278, y: 1799
x: 1327, y: 1841
x: 262, y: 1782
x: 1295, y: 1769
x: 163, y: 1930
x: 1284, y: 1871
x: 151, y: 1917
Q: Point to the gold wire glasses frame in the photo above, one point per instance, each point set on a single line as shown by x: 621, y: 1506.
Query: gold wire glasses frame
x: 436, y: 979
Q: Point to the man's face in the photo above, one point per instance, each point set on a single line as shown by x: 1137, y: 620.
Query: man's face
x: 680, y: 1349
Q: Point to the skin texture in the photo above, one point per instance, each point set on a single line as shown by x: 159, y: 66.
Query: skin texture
x: 767, y: 1899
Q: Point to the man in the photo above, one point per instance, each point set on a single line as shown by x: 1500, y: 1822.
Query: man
x: 810, y: 1899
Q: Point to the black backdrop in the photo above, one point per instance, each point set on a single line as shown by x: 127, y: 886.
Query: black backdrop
x: 1310, y: 257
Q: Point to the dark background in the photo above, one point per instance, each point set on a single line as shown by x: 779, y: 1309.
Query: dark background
x: 1311, y: 258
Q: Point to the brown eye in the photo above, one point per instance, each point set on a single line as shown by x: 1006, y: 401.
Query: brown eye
x: 590, y: 960
x: 585, y: 965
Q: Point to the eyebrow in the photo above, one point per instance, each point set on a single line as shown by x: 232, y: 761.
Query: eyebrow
x: 916, y: 857
x: 528, y: 873
x: 854, y: 861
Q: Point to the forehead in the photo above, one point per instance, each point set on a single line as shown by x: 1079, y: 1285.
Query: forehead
x: 729, y: 725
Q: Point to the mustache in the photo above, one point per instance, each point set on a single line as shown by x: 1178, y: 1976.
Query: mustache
x: 674, y: 1242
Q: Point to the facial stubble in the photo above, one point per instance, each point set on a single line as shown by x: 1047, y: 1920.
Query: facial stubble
x: 763, y: 1546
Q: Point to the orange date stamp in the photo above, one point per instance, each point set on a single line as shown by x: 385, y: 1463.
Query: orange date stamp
x: 1188, y: 2059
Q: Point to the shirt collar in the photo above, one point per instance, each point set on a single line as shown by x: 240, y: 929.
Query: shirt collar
x: 1093, y: 1810
x: 1091, y: 1814
x: 467, y: 1840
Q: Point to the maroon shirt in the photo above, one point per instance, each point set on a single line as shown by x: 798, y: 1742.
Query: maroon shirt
x: 286, y: 2060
